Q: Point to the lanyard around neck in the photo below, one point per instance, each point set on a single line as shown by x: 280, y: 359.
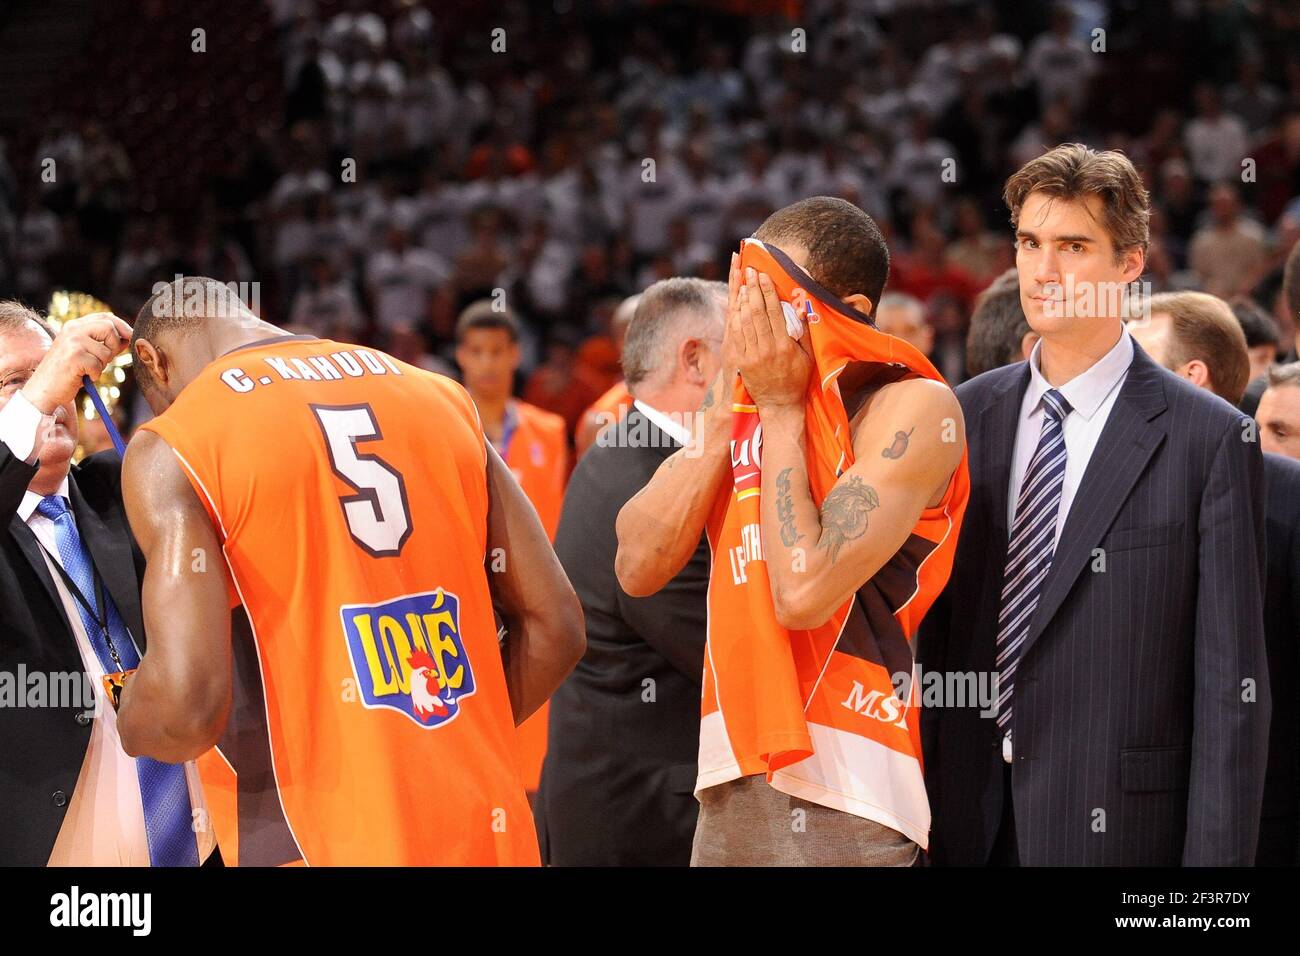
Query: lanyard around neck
x: 98, y: 611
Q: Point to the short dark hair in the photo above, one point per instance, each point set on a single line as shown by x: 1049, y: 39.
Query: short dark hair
x: 483, y: 314
x: 1072, y: 172
x: 997, y: 326
x: 183, y: 305
x: 846, y: 250
x: 1259, y: 327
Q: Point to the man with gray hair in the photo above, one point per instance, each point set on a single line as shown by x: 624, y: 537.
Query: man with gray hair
x: 617, y: 786
x: 70, y: 578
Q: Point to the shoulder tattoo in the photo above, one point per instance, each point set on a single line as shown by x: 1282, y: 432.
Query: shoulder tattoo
x: 899, y: 445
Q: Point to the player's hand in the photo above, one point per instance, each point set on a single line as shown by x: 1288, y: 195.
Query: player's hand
x: 83, y: 346
x: 732, y: 342
x: 774, y: 367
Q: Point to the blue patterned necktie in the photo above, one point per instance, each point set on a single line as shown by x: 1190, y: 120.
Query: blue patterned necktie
x: 163, y: 791
x: 1029, y: 551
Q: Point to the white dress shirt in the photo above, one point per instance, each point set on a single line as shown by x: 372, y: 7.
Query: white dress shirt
x: 1091, y: 395
x: 674, y: 430
x: 104, y: 821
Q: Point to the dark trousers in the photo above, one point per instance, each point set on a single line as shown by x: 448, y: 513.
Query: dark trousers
x: 1005, y: 852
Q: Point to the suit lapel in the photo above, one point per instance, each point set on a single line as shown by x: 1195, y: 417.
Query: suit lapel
x: 110, y: 549
x: 31, y: 550
x: 1126, y: 445
x: 993, y: 446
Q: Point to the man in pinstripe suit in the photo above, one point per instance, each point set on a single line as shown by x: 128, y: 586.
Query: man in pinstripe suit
x: 1110, y: 573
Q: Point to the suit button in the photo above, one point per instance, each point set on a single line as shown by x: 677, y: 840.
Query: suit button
x: 60, y: 798
x: 82, y: 718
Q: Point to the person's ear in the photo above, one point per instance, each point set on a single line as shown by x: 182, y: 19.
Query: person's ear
x: 691, y: 361
x: 154, y: 361
x: 1135, y: 263
x: 860, y: 302
x: 1197, y: 372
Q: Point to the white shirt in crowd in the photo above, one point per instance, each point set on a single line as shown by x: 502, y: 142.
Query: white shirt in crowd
x: 1061, y: 67
x: 1216, y: 147
x: 401, y: 284
x: 332, y: 310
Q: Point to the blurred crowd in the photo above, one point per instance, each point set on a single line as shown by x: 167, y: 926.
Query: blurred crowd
x: 565, y: 156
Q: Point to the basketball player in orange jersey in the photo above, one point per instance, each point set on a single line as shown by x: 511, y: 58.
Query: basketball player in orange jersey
x: 831, y: 479
x: 530, y: 440
x: 368, y: 529
x: 614, y: 404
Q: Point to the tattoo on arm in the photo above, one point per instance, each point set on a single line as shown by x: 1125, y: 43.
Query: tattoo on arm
x: 900, y: 444
x: 844, y: 514
x: 785, y: 509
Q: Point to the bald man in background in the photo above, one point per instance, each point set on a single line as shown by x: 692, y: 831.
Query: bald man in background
x: 1198, y: 337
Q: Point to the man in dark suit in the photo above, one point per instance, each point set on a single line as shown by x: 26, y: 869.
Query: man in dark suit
x: 69, y: 614
x: 1110, y: 573
x: 618, y: 784
x: 1198, y: 337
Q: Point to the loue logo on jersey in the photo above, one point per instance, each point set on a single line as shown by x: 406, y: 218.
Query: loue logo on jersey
x: 407, y: 654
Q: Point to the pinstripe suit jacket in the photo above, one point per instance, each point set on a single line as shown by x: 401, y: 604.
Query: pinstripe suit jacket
x: 1133, y: 743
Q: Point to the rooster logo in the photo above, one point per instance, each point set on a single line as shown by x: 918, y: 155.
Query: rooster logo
x: 426, y: 687
x: 408, y: 655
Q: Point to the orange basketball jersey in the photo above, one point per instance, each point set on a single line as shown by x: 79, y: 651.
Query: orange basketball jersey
x: 613, y: 405
x: 349, y: 492
x: 539, y: 457
x: 816, y: 711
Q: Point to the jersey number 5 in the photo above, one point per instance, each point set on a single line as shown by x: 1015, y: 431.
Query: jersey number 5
x: 378, y: 515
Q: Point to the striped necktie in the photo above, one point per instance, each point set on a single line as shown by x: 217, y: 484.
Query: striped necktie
x: 1029, y: 552
x: 164, y: 791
